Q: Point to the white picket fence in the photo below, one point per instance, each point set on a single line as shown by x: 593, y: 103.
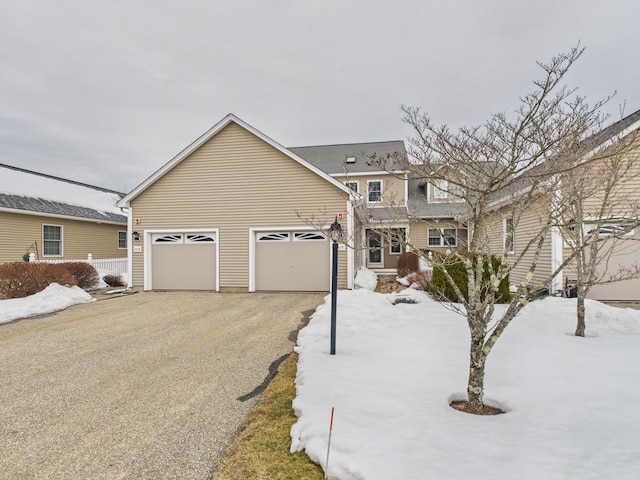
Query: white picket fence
x: 115, y: 266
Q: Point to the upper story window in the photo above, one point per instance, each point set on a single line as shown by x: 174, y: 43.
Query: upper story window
x: 374, y: 190
x: 509, y: 235
x: 443, y: 190
x: 122, y: 239
x: 52, y: 240
x: 443, y: 237
x: 355, y: 186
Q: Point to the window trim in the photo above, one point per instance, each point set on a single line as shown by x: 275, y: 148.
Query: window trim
x: 369, y: 192
x: 126, y: 239
x: 60, y: 242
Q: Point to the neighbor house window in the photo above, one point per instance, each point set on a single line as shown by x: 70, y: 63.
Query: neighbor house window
x: 442, y: 189
x: 353, y: 186
x: 52, y: 240
x: 374, y: 245
x: 397, y: 240
x: 122, y: 239
x: 442, y: 237
x: 509, y: 235
x: 374, y: 190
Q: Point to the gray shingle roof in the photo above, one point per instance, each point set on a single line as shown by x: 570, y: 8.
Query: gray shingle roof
x: 332, y: 158
x: 40, y: 205
x: 41, y: 193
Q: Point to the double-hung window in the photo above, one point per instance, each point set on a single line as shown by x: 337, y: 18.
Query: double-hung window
x: 122, y: 239
x: 52, y: 240
x: 374, y: 191
x: 442, y: 237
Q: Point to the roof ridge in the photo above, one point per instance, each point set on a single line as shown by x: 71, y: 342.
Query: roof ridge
x: 347, y: 144
x: 53, y: 177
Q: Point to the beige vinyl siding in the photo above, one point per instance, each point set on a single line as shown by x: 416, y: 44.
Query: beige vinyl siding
x: 626, y: 251
x: 526, y: 228
x: 235, y: 182
x: 18, y: 232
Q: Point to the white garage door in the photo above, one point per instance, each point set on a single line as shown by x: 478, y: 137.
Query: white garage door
x: 292, y: 261
x: 183, y: 261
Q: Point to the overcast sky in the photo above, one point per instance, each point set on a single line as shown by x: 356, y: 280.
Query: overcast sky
x: 106, y: 92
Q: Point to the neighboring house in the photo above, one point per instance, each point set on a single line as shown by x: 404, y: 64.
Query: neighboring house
x: 236, y: 211
x: 381, y: 222
x: 55, y: 218
x: 511, y: 239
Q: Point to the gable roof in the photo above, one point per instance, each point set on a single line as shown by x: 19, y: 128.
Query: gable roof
x: 333, y: 158
x: 27, y: 192
x: 209, y: 134
x: 618, y: 129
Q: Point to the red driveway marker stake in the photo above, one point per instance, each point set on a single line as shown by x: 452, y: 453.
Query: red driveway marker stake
x: 326, y: 467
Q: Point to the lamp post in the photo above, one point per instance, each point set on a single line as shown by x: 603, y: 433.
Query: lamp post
x: 335, y: 231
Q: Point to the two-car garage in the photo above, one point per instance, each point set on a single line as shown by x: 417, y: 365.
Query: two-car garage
x: 280, y: 260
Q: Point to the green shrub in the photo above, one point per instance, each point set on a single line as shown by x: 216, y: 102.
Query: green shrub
x: 21, y: 279
x: 408, y: 263
x: 441, y: 287
x: 85, y: 274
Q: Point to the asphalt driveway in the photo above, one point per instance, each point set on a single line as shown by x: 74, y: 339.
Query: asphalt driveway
x: 150, y: 386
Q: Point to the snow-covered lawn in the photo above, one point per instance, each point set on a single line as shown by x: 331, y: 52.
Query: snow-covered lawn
x: 53, y: 298
x: 573, y: 404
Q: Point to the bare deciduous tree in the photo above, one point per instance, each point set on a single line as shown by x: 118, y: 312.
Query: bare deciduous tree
x: 510, y: 165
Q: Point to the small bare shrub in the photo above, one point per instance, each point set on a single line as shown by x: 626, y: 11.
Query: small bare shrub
x: 400, y: 299
x: 21, y: 279
x: 113, y: 280
x: 85, y: 274
x: 408, y: 262
x: 420, y: 280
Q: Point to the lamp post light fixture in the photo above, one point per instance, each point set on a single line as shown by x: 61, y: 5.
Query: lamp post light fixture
x: 335, y: 232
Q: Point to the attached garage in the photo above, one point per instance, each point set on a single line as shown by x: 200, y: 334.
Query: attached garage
x: 291, y: 260
x: 225, y: 214
x: 184, y: 261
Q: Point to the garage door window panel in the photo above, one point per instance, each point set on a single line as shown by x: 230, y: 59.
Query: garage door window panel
x: 308, y: 236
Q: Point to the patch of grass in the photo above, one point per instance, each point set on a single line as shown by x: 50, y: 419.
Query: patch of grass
x: 261, y: 449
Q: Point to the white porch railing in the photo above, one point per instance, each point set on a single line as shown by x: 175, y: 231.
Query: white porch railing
x: 116, y: 266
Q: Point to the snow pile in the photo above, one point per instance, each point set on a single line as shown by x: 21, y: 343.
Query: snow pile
x: 53, y: 298
x: 572, y: 403
x: 366, y: 279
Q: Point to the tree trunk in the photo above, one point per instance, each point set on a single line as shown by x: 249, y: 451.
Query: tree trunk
x: 475, y: 385
x: 580, y: 313
x: 475, y: 388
